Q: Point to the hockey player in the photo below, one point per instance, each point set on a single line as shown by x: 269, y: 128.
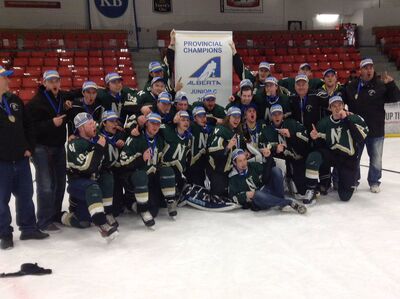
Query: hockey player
x: 163, y: 108
x: 88, y: 103
x: 215, y: 112
x: 258, y: 186
x: 223, y: 141
x: 175, y: 154
x: 181, y: 103
x: 156, y: 69
x: 244, y: 96
x: 111, y: 166
x: 198, y: 159
x: 117, y: 97
x: 268, y: 96
x: 146, y: 99
x: 141, y: 157
x: 287, y: 139
x: 252, y: 127
x: 337, y: 138
x: 91, y: 195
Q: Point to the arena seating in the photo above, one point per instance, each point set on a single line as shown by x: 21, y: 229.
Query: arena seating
x: 389, y: 40
x: 286, y: 50
x: 77, y: 57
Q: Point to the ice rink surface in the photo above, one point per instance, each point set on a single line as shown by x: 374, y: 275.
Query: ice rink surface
x: 337, y: 250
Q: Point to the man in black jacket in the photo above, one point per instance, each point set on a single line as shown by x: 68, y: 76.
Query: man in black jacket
x: 367, y: 97
x: 48, y: 113
x: 16, y: 145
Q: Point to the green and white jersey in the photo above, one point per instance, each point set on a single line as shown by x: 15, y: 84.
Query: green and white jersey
x: 111, y: 153
x: 296, y: 147
x: 199, y: 142
x: 84, y: 158
x: 240, y: 183
x: 124, y: 104
x: 176, y: 149
x: 338, y: 135
x: 220, y: 158
x: 131, y: 156
x: 146, y: 98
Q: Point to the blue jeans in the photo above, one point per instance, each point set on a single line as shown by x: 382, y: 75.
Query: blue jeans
x: 271, y: 194
x: 374, y: 147
x: 16, y: 179
x: 50, y: 165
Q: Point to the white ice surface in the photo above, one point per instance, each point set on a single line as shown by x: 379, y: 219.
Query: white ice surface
x: 338, y: 250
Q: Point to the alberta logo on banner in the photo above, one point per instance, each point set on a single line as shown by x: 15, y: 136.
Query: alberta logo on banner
x: 111, y: 14
x: 203, y: 59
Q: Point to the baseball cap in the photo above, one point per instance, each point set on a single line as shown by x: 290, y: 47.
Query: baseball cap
x: 234, y: 111
x: 155, y: 66
x: 245, y: 82
x: 51, y: 74
x: 4, y: 72
x: 88, y: 84
x: 198, y: 110
x: 264, y: 65
x: 365, y: 62
x: 335, y: 99
x: 109, y: 115
x: 156, y: 79
x: 154, y: 118
x: 301, y: 77
x: 81, y: 118
x: 164, y: 97
x: 112, y: 76
x: 276, y: 108
x: 271, y: 79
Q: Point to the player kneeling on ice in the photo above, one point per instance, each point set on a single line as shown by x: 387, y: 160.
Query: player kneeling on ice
x: 259, y: 186
x: 89, y: 201
x: 337, y: 138
x: 151, y: 181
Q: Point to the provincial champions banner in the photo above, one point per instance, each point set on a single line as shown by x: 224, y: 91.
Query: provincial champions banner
x: 203, y: 59
x: 112, y: 14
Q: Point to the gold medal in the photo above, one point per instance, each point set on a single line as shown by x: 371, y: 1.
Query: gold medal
x: 11, y: 118
x: 356, y: 96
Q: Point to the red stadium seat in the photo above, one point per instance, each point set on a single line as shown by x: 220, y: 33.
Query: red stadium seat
x: 110, y: 69
x: 35, y: 61
x: 95, y: 61
x: 81, y: 53
x: 27, y: 94
x: 66, y: 82
x: 20, y: 61
x: 15, y: 82
x: 109, y: 53
x: 33, y: 71
x: 96, y: 71
x: 31, y: 82
x: 66, y: 61
x: 98, y: 80
x: 337, y: 65
x: 39, y: 54
x: 110, y: 61
x: 81, y: 71
x: 95, y: 53
x: 81, y: 61
x: 130, y: 81
x: 18, y: 72
x: 51, y: 61
x: 286, y: 68
x: 78, y: 81
x: 65, y: 71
